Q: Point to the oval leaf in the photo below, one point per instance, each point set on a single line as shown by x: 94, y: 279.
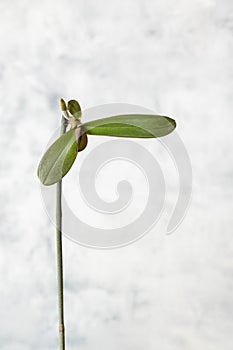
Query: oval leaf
x: 74, y: 108
x: 58, y: 159
x: 82, y: 142
x: 131, y: 125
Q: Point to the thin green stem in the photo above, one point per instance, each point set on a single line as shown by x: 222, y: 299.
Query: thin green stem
x: 59, y: 253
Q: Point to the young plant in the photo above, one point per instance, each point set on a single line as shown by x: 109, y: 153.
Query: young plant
x: 60, y: 156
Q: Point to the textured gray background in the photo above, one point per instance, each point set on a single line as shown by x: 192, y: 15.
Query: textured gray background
x: 163, y: 292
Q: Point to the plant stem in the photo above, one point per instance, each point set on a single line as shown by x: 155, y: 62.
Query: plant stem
x: 59, y: 253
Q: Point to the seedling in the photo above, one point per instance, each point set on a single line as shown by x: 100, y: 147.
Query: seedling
x: 60, y: 156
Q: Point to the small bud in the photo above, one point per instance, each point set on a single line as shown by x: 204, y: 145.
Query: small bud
x: 74, y: 108
x: 62, y: 104
x: 82, y: 142
x: 64, y: 109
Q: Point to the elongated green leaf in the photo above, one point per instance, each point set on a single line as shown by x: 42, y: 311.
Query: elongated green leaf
x: 131, y: 125
x: 58, y: 159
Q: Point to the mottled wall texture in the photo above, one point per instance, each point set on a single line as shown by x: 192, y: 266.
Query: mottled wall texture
x: 167, y: 292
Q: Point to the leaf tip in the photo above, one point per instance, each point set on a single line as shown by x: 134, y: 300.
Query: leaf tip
x: 62, y: 104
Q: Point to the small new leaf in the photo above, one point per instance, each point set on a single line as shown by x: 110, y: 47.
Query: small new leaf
x: 75, y: 109
x: 62, y: 104
x: 82, y: 142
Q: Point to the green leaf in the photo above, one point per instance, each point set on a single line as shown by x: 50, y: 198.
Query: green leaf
x: 75, y: 109
x: 58, y: 159
x: 131, y: 125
